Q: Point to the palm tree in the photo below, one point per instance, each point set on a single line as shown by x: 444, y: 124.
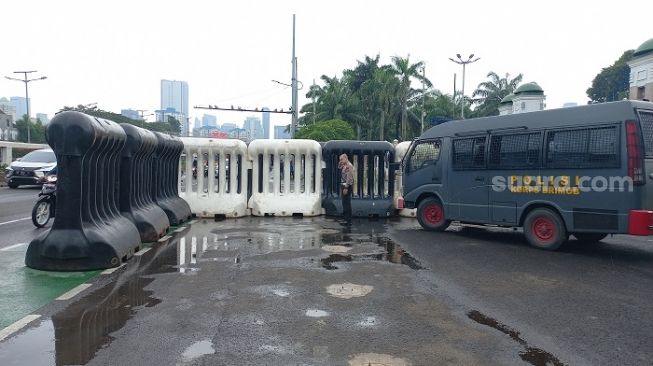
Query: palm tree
x: 405, y: 71
x: 488, y: 95
x: 333, y: 101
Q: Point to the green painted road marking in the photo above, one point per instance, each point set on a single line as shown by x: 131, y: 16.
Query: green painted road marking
x: 23, y: 290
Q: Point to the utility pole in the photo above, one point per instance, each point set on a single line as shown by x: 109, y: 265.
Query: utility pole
x: 313, y: 97
x: 25, y: 80
x: 464, y: 63
x: 295, y: 114
x: 423, y: 96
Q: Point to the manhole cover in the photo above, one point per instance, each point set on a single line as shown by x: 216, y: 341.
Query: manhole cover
x: 348, y: 290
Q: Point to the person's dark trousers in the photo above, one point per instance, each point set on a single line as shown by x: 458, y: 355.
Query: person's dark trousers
x: 346, y: 205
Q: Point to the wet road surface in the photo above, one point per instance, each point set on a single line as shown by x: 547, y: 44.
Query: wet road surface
x: 276, y: 291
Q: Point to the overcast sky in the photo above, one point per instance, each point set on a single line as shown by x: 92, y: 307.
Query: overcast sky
x: 115, y: 53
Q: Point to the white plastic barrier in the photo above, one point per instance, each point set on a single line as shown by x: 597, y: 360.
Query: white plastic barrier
x: 286, y: 177
x: 400, y: 151
x: 213, y: 176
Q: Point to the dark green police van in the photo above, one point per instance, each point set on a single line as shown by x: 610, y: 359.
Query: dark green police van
x: 585, y: 171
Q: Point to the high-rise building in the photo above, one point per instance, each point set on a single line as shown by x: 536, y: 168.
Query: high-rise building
x: 43, y: 117
x: 253, y: 126
x: 209, y: 120
x: 266, y: 123
x: 280, y: 133
x: 228, y: 127
x: 21, y: 107
x: 174, y: 94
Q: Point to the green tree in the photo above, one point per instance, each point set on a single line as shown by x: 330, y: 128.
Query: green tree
x: 612, y: 83
x: 334, y: 129
x: 406, y: 71
x: 171, y: 126
x: 334, y: 100
x: 489, y: 93
x: 36, y: 131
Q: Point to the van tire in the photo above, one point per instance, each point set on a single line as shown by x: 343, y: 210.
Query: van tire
x: 590, y: 238
x: 430, y: 214
x: 12, y: 185
x: 544, y: 229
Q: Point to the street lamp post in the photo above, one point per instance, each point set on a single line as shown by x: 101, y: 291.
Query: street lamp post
x: 460, y: 61
x: 26, y: 80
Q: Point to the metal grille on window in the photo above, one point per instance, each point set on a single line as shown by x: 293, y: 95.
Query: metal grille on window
x: 469, y: 153
x: 646, y: 121
x: 515, y: 151
x: 424, y: 154
x: 583, y: 148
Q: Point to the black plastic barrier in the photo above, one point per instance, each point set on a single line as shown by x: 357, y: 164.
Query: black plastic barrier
x: 373, y: 190
x: 166, y: 175
x: 136, y: 179
x: 89, y: 231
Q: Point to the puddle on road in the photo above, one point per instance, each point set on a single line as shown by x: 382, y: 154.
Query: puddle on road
x: 74, y: 335
x: 198, y: 349
x: 84, y: 327
x: 532, y: 355
x: 239, y: 244
x: 314, y: 313
x: 373, y: 359
x: 393, y: 253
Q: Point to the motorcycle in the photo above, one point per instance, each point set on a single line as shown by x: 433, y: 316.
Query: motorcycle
x: 43, y: 210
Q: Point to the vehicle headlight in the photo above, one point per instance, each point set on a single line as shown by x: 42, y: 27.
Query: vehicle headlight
x: 39, y: 173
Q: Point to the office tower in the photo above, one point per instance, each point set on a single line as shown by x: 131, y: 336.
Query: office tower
x: 21, y: 107
x: 209, y: 120
x: 253, y: 126
x: 281, y: 133
x: 266, y: 123
x: 43, y: 117
x: 174, y: 95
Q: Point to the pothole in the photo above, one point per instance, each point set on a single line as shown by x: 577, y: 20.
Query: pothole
x: 367, y: 359
x: 348, y: 290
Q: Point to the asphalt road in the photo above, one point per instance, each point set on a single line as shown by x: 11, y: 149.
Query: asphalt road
x: 15, y: 215
x: 274, y: 291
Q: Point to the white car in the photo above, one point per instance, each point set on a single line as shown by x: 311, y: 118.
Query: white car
x: 31, y: 168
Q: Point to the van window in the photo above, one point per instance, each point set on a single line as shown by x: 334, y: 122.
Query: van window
x: 646, y: 121
x: 583, y: 148
x: 469, y: 153
x: 515, y: 151
x: 424, y: 154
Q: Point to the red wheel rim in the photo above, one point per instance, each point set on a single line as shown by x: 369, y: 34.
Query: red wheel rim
x: 433, y: 214
x: 544, y: 229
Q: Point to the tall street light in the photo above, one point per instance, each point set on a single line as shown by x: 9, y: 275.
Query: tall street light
x: 26, y: 80
x: 460, y: 61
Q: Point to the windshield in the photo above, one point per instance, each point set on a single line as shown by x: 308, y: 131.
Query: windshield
x: 39, y: 157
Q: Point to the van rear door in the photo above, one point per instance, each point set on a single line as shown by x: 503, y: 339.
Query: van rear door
x: 646, y: 125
